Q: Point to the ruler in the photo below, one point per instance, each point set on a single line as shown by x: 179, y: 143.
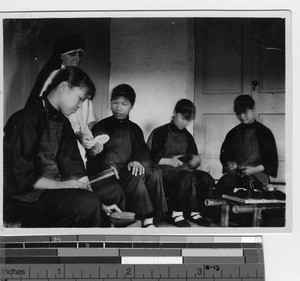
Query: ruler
x: 136, y: 258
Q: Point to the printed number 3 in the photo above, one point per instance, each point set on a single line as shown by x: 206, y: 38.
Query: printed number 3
x: 199, y: 271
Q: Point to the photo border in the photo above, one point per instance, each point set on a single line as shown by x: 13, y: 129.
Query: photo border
x: 158, y: 14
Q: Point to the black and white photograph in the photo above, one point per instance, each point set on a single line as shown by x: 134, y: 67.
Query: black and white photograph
x: 147, y: 123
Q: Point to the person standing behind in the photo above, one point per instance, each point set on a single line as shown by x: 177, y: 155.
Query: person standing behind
x: 174, y: 149
x: 68, y: 51
x: 248, y: 153
x: 44, y: 174
x: 126, y: 148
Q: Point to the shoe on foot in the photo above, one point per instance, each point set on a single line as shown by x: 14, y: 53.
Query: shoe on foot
x: 199, y: 220
x: 149, y: 225
x: 180, y: 223
x: 241, y: 193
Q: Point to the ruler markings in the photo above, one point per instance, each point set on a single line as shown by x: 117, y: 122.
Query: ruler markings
x: 212, y: 252
x: 249, y: 267
x: 140, y: 238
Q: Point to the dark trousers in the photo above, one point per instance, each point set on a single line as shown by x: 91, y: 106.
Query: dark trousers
x: 59, y: 208
x: 109, y: 192
x: 226, y: 184
x: 137, y: 198
x: 229, y: 181
x: 155, y: 187
x: 187, y: 188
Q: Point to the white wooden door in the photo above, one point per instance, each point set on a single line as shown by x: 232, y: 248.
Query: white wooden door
x: 227, y: 62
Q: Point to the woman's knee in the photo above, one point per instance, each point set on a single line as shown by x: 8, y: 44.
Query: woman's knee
x: 117, y: 195
x: 154, y: 174
x: 89, y: 203
x: 205, y: 178
x: 227, y: 183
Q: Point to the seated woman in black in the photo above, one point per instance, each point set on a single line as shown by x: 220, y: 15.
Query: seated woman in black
x: 173, y: 148
x: 248, y: 153
x: 44, y: 175
x: 126, y: 148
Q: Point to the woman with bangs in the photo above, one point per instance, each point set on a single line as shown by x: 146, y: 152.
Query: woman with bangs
x: 174, y: 149
x: 139, y: 182
x: 45, y: 180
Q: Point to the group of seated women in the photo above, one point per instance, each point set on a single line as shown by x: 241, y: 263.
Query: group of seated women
x: 45, y: 176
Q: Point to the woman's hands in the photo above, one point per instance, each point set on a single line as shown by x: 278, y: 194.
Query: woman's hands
x: 175, y: 162
x: 82, y: 183
x: 46, y: 183
x: 110, y: 209
x: 195, y: 161
x: 85, y: 180
x: 87, y: 140
x: 136, y: 167
x: 68, y: 184
x: 249, y: 170
x: 93, y: 145
x: 231, y: 166
x: 97, y: 148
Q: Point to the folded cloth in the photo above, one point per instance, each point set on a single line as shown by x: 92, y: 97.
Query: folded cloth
x: 88, y: 141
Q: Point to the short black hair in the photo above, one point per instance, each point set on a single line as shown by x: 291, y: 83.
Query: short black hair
x: 124, y: 90
x: 186, y: 108
x: 242, y: 103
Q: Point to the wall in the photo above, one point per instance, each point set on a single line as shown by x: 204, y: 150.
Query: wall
x: 28, y: 44
x: 155, y: 57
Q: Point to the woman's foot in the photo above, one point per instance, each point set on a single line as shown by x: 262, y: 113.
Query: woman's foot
x: 178, y: 220
x: 148, y: 223
x: 198, y: 219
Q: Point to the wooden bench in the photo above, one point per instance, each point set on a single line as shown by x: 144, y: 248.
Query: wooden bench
x: 241, y: 206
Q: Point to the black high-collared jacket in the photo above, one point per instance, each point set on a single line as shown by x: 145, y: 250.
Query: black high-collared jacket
x: 266, y: 142
x: 23, y: 164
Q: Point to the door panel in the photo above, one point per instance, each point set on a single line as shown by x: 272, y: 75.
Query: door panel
x: 222, y: 72
x: 216, y: 127
x: 229, y: 57
x: 269, y: 54
x: 223, y: 53
x: 268, y: 68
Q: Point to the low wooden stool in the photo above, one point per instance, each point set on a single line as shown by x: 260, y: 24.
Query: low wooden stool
x: 244, y: 205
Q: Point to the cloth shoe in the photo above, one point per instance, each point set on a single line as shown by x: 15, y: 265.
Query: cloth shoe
x: 180, y: 223
x: 199, y: 221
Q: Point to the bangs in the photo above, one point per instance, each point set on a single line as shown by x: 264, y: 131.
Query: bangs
x: 188, y: 114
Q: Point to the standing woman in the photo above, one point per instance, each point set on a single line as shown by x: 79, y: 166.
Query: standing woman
x: 68, y: 51
x: 173, y: 148
x: 126, y: 148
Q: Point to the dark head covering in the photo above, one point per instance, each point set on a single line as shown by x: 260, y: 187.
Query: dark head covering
x: 125, y: 91
x: 242, y: 103
x: 186, y: 108
x: 65, y: 44
x: 69, y: 43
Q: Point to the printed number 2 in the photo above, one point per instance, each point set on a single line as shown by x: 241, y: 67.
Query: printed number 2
x: 128, y: 271
x: 199, y: 271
